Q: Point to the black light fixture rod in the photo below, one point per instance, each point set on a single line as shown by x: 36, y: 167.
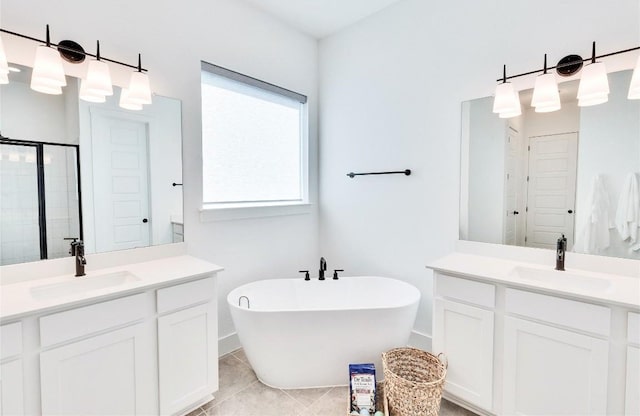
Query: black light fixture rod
x: 501, y: 79
x: 406, y: 172
x: 66, y: 48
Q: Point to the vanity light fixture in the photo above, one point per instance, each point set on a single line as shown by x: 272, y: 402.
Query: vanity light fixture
x: 594, y: 84
x: 139, y: 90
x: 125, y: 101
x: 593, y: 88
x: 97, y: 85
x: 546, y: 97
x: 634, y: 88
x: 48, y: 75
x: 507, y: 100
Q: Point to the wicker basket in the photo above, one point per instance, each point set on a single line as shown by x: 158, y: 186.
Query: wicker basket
x: 413, y: 381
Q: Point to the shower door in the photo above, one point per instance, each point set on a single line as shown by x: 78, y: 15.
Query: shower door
x: 39, y: 200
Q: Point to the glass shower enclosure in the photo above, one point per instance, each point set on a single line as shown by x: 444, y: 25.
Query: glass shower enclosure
x: 40, y: 209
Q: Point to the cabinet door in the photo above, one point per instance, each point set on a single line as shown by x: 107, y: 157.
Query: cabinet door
x: 465, y: 335
x: 632, y: 402
x: 553, y: 371
x: 11, y: 388
x: 109, y: 374
x: 188, y: 359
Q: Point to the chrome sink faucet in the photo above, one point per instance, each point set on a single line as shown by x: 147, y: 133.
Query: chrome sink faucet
x: 561, y: 249
x: 77, y: 250
x: 323, y: 268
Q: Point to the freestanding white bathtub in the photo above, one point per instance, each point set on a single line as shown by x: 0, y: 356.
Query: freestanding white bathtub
x: 303, y: 334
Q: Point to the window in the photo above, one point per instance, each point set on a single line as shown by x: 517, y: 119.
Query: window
x: 254, y: 142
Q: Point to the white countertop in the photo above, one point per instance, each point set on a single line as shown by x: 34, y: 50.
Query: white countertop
x: 17, y: 299
x: 575, y: 283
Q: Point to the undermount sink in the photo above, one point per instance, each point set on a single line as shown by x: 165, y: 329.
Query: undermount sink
x: 561, y: 279
x: 82, y: 284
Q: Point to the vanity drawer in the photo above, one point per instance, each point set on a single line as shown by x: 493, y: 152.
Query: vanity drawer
x: 86, y: 320
x: 180, y: 296
x: 470, y: 291
x: 10, y: 340
x: 633, y: 328
x: 559, y: 311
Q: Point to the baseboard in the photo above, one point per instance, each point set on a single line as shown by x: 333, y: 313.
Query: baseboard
x: 228, y: 343
x: 420, y: 340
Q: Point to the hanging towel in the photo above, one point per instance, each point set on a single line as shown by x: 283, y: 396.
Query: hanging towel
x: 594, y: 233
x: 628, y: 213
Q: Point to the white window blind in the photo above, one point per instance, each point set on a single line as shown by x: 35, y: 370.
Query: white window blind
x: 253, y: 140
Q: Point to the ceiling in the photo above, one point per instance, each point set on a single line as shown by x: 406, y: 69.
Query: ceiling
x: 320, y: 18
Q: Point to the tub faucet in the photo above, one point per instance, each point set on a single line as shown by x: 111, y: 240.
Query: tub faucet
x: 323, y: 268
x: 561, y: 249
x: 77, y: 250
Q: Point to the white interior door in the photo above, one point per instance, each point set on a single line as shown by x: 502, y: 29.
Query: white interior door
x: 551, y: 189
x: 120, y: 171
x: 512, y: 186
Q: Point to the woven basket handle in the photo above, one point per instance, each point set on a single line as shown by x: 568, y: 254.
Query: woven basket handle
x: 443, y: 359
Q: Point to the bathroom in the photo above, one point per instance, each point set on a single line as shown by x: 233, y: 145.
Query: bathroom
x: 384, y: 93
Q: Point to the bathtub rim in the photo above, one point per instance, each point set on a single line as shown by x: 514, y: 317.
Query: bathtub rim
x: 415, y: 299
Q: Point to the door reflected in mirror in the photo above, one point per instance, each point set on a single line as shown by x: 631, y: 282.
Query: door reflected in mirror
x: 121, y: 195
x: 529, y: 179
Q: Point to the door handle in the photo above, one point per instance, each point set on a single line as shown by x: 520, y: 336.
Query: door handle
x: 144, y: 220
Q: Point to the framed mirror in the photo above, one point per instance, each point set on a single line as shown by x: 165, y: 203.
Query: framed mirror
x: 92, y: 171
x: 529, y: 179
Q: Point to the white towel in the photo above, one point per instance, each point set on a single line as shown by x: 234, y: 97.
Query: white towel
x: 594, y: 234
x: 628, y: 213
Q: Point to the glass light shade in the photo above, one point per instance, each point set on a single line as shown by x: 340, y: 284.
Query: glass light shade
x: 139, y: 89
x: 594, y: 100
x: 593, y: 83
x: 506, y: 101
x: 126, y: 103
x: 98, y: 81
x: 90, y: 95
x: 4, y: 65
x: 545, y: 94
x: 634, y: 87
x: 47, y: 71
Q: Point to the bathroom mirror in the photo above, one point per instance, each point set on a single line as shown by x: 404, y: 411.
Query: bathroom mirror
x: 73, y: 169
x: 529, y: 179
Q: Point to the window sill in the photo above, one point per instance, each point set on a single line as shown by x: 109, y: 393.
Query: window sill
x: 212, y: 213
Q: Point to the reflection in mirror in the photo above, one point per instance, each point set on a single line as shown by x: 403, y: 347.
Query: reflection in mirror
x: 529, y: 179
x: 121, y: 194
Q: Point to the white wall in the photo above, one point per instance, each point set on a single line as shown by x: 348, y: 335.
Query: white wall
x: 173, y: 37
x: 391, y: 88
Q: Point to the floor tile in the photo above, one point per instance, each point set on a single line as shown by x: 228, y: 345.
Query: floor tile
x: 234, y: 376
x: 335, y: 402
x: 306, y: 397
x: 257, y: 399
x: 240, y: 355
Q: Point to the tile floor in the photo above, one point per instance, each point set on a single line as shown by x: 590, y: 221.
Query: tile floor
x: 241, y: 394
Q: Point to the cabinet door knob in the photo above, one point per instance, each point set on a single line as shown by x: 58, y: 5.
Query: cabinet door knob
x: 144, y: 220
x: 515, y: 213
x: 570, y: 211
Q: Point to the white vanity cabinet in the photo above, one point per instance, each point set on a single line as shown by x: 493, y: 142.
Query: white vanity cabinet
x: 187, y: 345
x: 11, y: 371
x: 632, y: 393
x: 514, y: 350
x: 463, y: 316
x: 556, y: 354
x: 100, y: 360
